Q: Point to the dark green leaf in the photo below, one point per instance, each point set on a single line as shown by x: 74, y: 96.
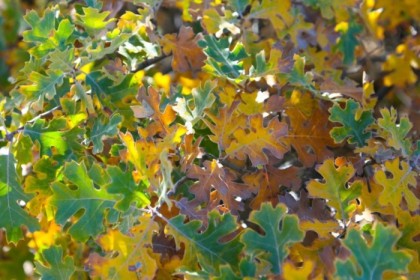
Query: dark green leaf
x: 280, y: 231
x: 353, y: 129
x: 369, y: 262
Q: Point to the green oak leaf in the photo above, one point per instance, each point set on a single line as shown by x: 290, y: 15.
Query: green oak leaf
x: 40, y: 27
x: 44, y: 34
x: 48, y: 136
x: 8, y: 175
x: 354, y: 130
x: 43, y: 85
x: 93, y: 21
x: 70, y: 201
x: 122, y: 183
x: 12, y: 215
x: 101, y: 130
x: 58, y: 268
x: 335, y: 189
x: 192, y: 110
x: 205, y: 247
x: 24, y: 149
x: 43, y: 174
x: 348, y: 42
x: 370, y: 261
x: 280, y: 230
x: 62, y: 60
x: 221, y: 60
x: 261, y: 66
x: 394, y: 133
x: 298, y: 76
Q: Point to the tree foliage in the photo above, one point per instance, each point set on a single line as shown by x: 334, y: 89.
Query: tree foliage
x: 237, y: 139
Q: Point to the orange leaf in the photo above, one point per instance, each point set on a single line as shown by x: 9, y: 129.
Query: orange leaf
x: 187, y: 55
x: 253, y: 140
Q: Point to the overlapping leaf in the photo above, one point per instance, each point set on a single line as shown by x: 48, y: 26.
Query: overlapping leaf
x: 372, y: 260
x: 398, y: 185
x: 336, y: 189
x: 83, y: 196
x: 58, y: 268
x: 253, y: 141
x: 12, y: 216
x: 280, y: 231
x: 206, y: 248
x: 353, y: 129
x: 132, y: 250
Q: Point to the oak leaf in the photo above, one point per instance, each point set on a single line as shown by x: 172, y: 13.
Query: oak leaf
x: 134, y: 250
x: 187, y: 55
x: 224, y: 124
x: 213, y: 176
x: 257, y: 138
x: 335, y: 189
x: 370, y: 261
x: 206, y: 248
x: 354, y: 129
x: 397, y: 186
x: 309, y: 135
x: 273, y: 245
x: 58, y: 268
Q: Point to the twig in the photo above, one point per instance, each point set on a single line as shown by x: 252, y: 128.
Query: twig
x: 9, y: 136
x: 151, y: 61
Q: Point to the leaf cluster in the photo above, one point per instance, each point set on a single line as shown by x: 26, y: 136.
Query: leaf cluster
x: 238, y: 139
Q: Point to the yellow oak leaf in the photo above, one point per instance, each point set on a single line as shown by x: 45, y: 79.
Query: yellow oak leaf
x: 278, y: 12
x: 322, y: 228
x: 291, y: 272
x: 370, y: 201
x: 400, y: 67
x: 44, y: 239
x: 128, y: 256
x: 397, y: 186
x: 335, y: 189
x: 253, y: 140
x: 224, y: 124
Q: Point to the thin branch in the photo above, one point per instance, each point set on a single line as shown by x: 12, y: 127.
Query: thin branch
x: 9, y: 136
x: 151, y: 61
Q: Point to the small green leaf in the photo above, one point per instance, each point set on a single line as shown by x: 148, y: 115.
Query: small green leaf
x: 8, y: 176
x: 353, y: 129
x: 369, y: 262
x: 58, y: 268
x: 93, y: 21
x: 347, y: 42
x: 62, y: 60
x: 298, y: 76
x: 100, y: 130
x: 48, y: 136
x: 280, y: 230
x: 41, y: 27
x: 122, y: 183
x: 221, y: 60
x: 202, y: 98
x: 394, y: 133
